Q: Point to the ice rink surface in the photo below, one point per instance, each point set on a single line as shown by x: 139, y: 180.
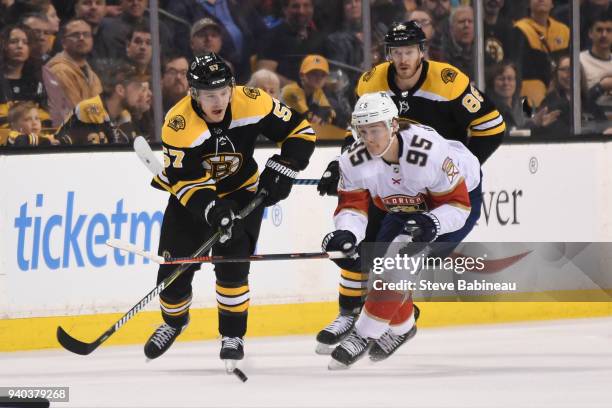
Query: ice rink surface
x: 543, y: 364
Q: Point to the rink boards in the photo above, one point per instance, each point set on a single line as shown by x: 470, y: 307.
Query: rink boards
x: 59, y: 209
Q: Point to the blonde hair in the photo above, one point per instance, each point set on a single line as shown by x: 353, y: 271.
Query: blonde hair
x: 18, y: 110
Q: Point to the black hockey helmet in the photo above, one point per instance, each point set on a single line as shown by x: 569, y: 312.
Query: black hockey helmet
x: 209, y: 71
x: 403, y: 34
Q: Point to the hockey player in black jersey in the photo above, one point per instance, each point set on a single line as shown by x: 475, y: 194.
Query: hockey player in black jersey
x: 208, y: 141
x: 428, y: 92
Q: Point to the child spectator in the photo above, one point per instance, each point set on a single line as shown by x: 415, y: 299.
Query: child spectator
x: 310, y: 98
x: 26, y: 127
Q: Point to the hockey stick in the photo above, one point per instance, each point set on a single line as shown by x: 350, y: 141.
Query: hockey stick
x: 128, y: 247
x: 147, y: 157
x: 83, y: 348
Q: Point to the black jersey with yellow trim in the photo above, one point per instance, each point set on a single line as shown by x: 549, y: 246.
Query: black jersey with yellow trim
x: 203, y: 160
x: 444, y: 99
x: 90, y: 123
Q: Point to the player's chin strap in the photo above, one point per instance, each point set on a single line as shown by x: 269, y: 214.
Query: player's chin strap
x: 386, y: 148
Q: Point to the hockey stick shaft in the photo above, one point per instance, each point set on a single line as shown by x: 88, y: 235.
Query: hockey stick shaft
x: 128, y: 247
x: 80, y: 347
x: 147, y: 157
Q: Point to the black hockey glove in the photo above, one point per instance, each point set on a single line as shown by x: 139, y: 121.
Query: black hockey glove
x: 422, y: 227
x: 329, y: 180
x: 343, y: 241
x: 277, y: 179
x: 219, y: 214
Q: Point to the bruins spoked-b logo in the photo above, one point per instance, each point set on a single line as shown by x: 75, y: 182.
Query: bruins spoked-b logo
x: 448, y: 75
x: 222, y: 165
x: 177, y: 123
x: 252, y: 93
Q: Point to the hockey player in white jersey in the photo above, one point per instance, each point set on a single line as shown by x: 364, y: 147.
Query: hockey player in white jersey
x: 430, y: 188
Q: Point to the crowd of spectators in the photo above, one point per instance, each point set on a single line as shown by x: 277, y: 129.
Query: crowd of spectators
x: 56, y: 56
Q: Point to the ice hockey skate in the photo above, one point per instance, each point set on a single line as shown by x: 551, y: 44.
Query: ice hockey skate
x: 351, y: 349
x: 232, y: 350
x: 389, y: 342
x: 161, y: 340
x: 334, y: 333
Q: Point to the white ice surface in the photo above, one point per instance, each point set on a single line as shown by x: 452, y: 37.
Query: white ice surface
x: 550, y: 364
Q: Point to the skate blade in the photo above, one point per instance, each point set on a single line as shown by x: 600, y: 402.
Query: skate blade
x: 325, y: 349
x: 335, y: 365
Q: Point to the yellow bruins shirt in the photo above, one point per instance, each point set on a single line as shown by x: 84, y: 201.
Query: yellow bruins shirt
x: 203, y: 161
x: 316, y: 104
x: 443, y: 99
x: 536, y: 48
x: 90, y: 123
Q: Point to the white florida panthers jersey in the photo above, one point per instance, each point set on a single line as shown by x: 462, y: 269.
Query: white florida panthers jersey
x: 432, y: 174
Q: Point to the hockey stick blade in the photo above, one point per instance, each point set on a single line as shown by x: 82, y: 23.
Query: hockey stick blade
x: 76, y: 346
x: 147, y: 157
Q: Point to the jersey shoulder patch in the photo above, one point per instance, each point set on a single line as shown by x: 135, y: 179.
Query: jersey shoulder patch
x: 374, y: 80
x: 183, y: 128
x: 91, y: 111
x: 250, y: 103
x: 444, y: 81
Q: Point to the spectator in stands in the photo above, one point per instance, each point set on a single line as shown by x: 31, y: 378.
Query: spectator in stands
x: 138, y: 48
x: 440, y: 10
x: 558, y: 98
x: 20, y: 75
x: 310, y: 99
x: 537, y: 41
x: 596, y: 64
x: 43, y: 35
x: 142, y: 114
x: 52, y: 17
x: 504, y: 85
x: 459, y: 45
x: 174, y: 79
x: 266, y: 80
x: 388, y: 12
x: 26, y: 127
x: 206, y: 37
x: 116, y: 30
x: 241, y: 27
x: 346, y: 44
x: 93, y: 11
x: 590, y: 10
x: 289, y: 42
x: 106, y: 118
x: 269, y: 12
x: 425, y: 20
x: 68, y: 76
x: 497, y: 32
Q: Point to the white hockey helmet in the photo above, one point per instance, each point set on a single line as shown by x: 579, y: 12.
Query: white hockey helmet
x: 371, y: 108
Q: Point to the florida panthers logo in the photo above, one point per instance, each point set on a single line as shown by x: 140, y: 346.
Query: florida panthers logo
x: 223, y: 165
x: 405, y: 204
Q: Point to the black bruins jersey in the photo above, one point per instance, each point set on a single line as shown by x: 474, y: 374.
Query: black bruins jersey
x: 203, y: 160
x: 443, y: 99
x: 90, y: 123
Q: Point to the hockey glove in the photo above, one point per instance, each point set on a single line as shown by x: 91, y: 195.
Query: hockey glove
x: 422, y: 227
x: 277, y: 179
x: 329, y: 180
x: 219, y: 214
x: 343, y: 241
